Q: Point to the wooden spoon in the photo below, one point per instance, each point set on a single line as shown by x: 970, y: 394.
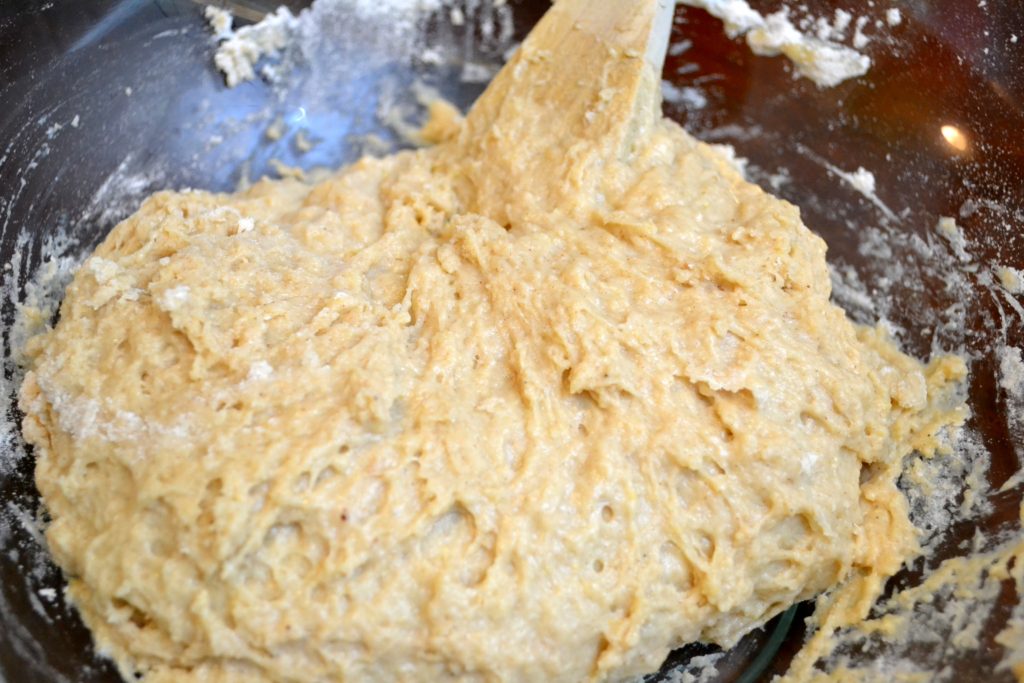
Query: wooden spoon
x: 583, y: 87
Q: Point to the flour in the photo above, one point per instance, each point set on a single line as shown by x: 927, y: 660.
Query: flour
x: 1011, y: 372
x: 258, y: 371
x: 948, y: 487
x: 817, y: 57
x: 835, y: 29
x: 174, y: 298
x: 950, y: 231
x: 860, y: 39
x: 220, y: 21
x: 102, y: 270
x: 1011, y: 382
x: 950, y: 493
x: 688, y: 97
x: 849, y: 291
x: 239, y: 51
x: 283, y: 41
x: 398, y: 42
x: 34, y: 279
x: 122, y: 191
x: 861, y: 180
x: 700, y: 669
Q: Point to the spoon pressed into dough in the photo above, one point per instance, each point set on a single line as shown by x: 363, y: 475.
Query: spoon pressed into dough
x: 584, y: 86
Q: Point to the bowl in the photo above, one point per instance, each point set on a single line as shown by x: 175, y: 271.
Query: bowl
x: 108, y: 101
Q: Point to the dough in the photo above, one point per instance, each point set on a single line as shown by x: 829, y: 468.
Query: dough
x: 487, y: 411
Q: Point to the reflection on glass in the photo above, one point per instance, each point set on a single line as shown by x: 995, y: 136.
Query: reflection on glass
x: 955, y: 137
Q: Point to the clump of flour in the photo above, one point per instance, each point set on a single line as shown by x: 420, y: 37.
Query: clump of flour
x: 817, y: 56
x: 241, y: 50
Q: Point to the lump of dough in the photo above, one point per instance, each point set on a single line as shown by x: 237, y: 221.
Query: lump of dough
x: 539, y: 403
x: 356, y: 431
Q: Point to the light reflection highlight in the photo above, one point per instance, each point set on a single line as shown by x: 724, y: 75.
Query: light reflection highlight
x: 955, y: 137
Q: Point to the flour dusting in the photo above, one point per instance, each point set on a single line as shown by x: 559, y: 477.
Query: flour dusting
x: 860, y: 180
x: 689, y: 97
x: 1011, y: 372
x: 699, y: 669
x: 42, y: 261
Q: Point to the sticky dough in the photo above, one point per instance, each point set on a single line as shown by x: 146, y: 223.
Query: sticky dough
x: 485, y: 411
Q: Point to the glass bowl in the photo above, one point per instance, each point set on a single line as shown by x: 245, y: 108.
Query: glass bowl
x: 107, y: 101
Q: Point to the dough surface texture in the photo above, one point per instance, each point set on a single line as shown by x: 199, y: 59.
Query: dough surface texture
x: 477, y: 412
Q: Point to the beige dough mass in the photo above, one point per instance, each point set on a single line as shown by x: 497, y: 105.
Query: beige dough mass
x: 478, y: 412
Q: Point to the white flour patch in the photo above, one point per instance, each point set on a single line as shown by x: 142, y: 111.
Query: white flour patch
x: 1011, y: 372
x: 688, y: 97
x: 851, y: 293
x: 173, y: 298
x: 260, y: 370
x: 1011, y: 382
x: 951, y: 232
x: 28, y: 523
x: 700, y: 669
x: 815, y: 56
x: 241, y: 50
x: 860, y: 39
x: 778, y: 180
x: 861, y: 180
x: 834, y: 29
